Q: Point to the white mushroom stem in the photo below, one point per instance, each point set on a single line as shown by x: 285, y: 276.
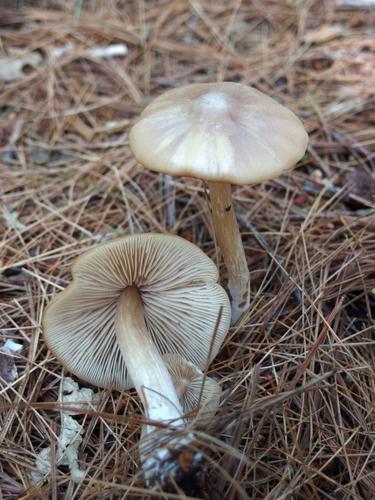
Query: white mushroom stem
x: 150, y: 376
x: 228, y: 237
x: 145, y: 365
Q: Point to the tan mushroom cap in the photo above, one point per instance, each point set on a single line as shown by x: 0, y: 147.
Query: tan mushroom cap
x: 222, y: 132
x: 179, y: 290
x: 193, y: 388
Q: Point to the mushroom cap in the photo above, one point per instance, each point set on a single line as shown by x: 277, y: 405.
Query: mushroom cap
x: 182, y: 301
x: 193, y: 388
x: 220, y: 132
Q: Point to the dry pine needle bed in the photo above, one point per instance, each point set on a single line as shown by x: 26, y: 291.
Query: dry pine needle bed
x: 297, y: 419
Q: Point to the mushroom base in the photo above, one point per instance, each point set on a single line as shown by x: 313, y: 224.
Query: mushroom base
x: 174, y: 465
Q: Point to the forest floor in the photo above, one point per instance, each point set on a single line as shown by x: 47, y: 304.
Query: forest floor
x: 297, y: 417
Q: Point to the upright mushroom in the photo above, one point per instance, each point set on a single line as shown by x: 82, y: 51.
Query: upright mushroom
x: 131, y: 301
x: 225, y: 133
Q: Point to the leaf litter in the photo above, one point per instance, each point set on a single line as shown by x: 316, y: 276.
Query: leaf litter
x: 298, y: 372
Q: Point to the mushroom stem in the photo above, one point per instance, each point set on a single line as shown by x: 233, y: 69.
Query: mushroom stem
x: 161, y: 453
x: 145, y: 365
x: 228, y: 237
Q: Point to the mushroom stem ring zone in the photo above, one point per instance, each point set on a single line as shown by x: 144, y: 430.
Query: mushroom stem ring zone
x: 228, y: 237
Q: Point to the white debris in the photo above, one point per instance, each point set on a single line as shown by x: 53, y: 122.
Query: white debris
x: 341, y: 108
x: 356, y: 3
x: 57, y: 52
x: 12, y: 346
x: 8, y: 369
x: 118, y: 49
x: 70, y: 433
x: 72, y: 393
x: 11, y: 219
x: 67, y: 451
x: 12, y: 66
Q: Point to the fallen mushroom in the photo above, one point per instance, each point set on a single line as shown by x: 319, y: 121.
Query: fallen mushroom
x: 131, y: 301
x: 225, y: 133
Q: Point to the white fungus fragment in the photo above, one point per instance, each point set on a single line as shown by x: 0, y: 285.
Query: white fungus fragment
x: 70, y: 436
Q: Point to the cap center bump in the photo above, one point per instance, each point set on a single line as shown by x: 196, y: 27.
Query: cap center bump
x: 213, y: 101
x: 181, y: 385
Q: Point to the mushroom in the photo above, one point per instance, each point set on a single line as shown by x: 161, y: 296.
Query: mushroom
x: 225, y: 133
x: 131, y: 301
x: 195, y: 391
